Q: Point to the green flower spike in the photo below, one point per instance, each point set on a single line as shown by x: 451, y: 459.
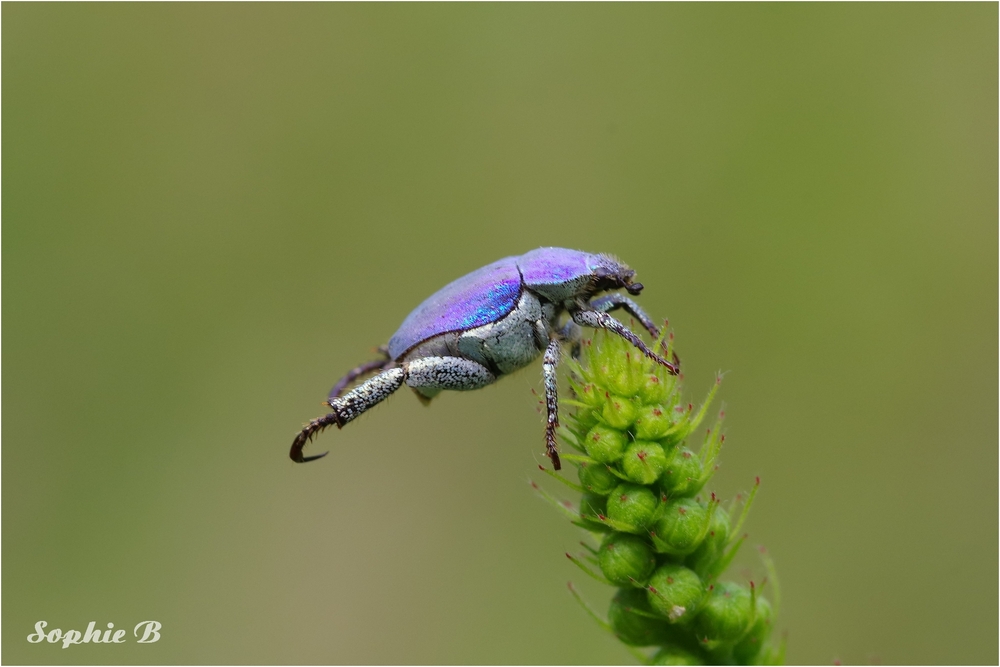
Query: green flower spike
x: 664, y: 546
x: 626, y: 560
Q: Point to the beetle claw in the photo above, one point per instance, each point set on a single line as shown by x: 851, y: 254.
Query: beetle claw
x: 306, y: 434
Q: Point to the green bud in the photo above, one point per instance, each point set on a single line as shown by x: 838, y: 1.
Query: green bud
x: 714, y: 544
x: 635, y: 629
x: 626, y: 560
x: 726, y: 614
x: 654, y: 389
x: 585, y: 419
x: 683, y: 474
x: 749, y: 647
x: 589, y: 393
x: 680, y: 415
x: 604, y: 444
x: 652, y: 422
x: 674, y: 591
x: 644, y: 462
x: 593, y: 507
x: 619, y: 412
x: 625, y: 379
x: 596, y: 478
x: 632, y: 507
x: 674, y: 655
x: 681, y: 527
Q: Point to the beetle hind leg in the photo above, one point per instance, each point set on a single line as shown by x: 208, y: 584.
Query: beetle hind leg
x: 306, y: 434
x: 362, y: 370
x: 348, y: 407
x: 428, y: 374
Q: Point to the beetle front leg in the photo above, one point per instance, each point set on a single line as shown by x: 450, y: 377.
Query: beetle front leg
x: 598, y: 320
x: 347, y: 407
x: 549, y: 364
x: 613, y: 301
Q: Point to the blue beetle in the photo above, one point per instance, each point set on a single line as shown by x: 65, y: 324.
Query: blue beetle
x: 489, y: 323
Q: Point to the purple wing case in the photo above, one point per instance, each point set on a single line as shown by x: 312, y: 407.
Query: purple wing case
x: 478, y: 298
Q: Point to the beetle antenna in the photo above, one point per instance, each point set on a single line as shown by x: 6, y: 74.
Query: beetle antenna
x: 307, y: 433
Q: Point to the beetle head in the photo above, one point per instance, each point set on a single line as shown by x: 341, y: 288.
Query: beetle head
x: 611, y: 273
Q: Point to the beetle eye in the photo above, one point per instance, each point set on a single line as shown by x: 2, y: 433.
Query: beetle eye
x: 634, y: 288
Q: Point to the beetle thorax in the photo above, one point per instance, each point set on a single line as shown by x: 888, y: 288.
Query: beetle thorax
x: 566, y: 277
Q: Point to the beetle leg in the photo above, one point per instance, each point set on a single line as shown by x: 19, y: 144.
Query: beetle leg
x: 453, y: 373
x: 599, y: 320
x: 347, y: 407
x: 549, y: 363
x: 306, y: 434
x: 354, y: 374
x: 367, y: 394
x: 571, y: 333
x: 613, y: 301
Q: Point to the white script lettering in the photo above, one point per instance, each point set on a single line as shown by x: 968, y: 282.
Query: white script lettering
x: 150, y: 634
x: 152, y: 628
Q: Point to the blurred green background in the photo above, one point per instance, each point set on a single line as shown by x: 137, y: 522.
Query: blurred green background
x: 211, y: 211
